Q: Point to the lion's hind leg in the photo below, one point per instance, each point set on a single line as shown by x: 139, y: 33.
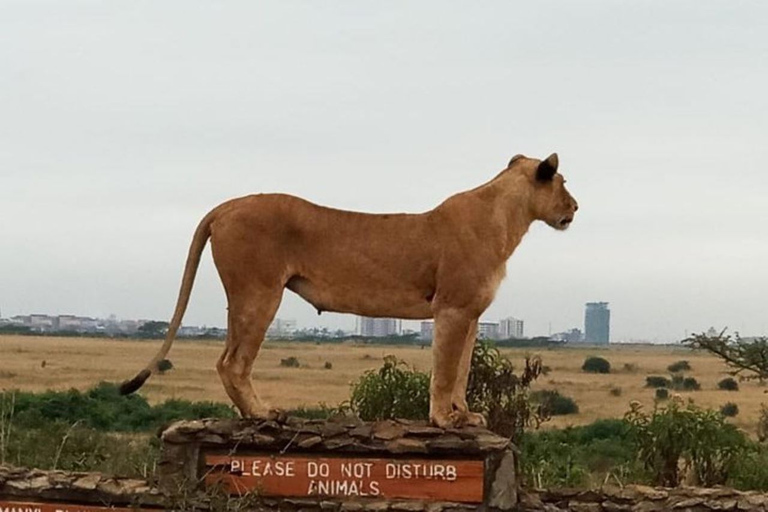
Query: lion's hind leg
x: 248, y: 320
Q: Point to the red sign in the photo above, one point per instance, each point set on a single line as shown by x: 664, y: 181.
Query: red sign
x: 28, y: 506
x: 295, y: 476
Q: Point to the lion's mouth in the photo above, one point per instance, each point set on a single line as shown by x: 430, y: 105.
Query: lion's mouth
x: 565, y: 222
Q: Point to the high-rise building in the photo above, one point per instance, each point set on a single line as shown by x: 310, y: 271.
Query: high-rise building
x: 597, y: 323
x: 510, y: 328
x: 488, y: 330
x: 378, y: 327
x: 427, y: 330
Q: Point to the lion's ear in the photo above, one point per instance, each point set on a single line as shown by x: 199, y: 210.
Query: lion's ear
x: 547, y: 168
x: 514, y: 159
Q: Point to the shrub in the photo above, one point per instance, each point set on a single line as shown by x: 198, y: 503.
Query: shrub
x: 164, y: 365
x: 290, y: 362
x: 690, y: 384
x: 104, y: 408
x: 552, y: 403
x: 398, y: 391
x: 679, y: 366
x: 328, y: 365
x: 702, y: 439
x: 656, y: 381
x: 596, y: 365
x: 615, y: 391
x: 497, y: 392
x: 728, y: 384
x: 393, y: 391
x: 662, y: 393
x: 729, y: 410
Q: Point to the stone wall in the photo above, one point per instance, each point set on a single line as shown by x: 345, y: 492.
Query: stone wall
x: 643, y: 499
x: 24, y: 485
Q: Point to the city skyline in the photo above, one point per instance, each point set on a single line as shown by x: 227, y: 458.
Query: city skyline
x: 119, y: 135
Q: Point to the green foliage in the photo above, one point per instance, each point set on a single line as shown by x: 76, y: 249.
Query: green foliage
x: 164, y: 365
x: 662, y: 394
x: 493, y: 389
x: 682, y: 383
x: 78, y: 448
x: 596, y: 365
x: 153, y: 329
x: 729, y: 409
x: 679, y: 366
x: 579, y: 456
x: 701, y: 439
x: 103, y: 408
x: 552, y: 403
x: 498, y: 393
x: 728, y: 384
x: 751, y: 473
x: 290, y: 362
x: 393, y: 391
x: 657, y: 381
x: 749, y: 358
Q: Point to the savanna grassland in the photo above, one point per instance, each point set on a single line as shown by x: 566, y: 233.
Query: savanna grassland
x: 40, y: 363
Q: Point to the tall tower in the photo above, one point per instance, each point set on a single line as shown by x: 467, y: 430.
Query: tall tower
x: 597, y: 323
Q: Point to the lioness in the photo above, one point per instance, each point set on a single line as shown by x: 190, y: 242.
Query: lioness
x: 445, y: 264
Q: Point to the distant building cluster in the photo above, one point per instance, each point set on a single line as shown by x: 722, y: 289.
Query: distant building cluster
x: 504, y: 329
x: 70, y: 323
x: 281, y: 328
x: 42, y: 323
x: 378, y: 327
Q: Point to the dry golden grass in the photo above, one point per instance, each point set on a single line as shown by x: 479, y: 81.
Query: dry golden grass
x: 83, y: 362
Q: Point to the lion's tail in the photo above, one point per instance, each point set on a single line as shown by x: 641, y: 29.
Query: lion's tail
x: 202, y: 234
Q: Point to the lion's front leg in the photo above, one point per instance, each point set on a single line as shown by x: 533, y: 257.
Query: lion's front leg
x: 450, y: 340
x: 459, y: 397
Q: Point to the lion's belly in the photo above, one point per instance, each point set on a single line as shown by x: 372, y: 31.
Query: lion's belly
x: 395, y: 300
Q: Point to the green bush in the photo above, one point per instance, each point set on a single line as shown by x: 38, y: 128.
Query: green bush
x: 494, y: 390
x: 103, y: 408
x: 552, y: 403
x: 328, y: 365
x: 579, y: 456
x: 290, y: 362
x: 656, y: 381
x: 729, y: 410
x: 728, y: 384
x: 596, y: 365
x: 393, y: 391
x: 701, y: 438
x: 682, y: 383
x: 679, y: 366
x: 662, y: 394
x: 164, y: 365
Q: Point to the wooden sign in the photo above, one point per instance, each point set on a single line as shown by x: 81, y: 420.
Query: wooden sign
x: 28, y: 506
x: 302, y: 476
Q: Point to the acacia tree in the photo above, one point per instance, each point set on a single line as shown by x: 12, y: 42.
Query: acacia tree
x: 747, y: 358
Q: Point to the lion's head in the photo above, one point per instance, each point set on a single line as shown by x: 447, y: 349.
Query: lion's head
x: 550, y: 201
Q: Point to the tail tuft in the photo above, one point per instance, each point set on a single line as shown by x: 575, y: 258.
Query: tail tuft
x: 129, y: 386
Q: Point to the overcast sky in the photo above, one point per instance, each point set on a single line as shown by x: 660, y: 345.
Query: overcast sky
x: 123, y: 123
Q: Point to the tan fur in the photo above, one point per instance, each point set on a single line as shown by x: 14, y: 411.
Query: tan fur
x: 445, y: 264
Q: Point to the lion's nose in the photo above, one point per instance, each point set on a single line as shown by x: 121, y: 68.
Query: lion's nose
x: 575, y: 206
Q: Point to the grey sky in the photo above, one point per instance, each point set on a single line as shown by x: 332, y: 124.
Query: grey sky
x: 123, y: 123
